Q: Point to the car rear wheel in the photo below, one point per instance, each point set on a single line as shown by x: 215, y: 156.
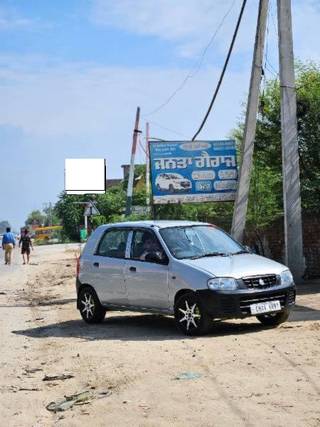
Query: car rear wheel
x: 190, y: 317
x: 90, y: 307
x: 273, y: 319
x: 171, y: 189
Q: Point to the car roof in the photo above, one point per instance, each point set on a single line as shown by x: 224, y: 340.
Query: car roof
x: 155, y: 223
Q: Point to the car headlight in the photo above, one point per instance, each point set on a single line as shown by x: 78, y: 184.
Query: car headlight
x: 286, y: 278
x: 222, y: 283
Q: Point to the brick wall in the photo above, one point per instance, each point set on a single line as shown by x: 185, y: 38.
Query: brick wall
x: 270, y: 242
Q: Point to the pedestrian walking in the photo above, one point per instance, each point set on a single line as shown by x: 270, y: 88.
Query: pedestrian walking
x: 26, y: 244
x: 8, y: 244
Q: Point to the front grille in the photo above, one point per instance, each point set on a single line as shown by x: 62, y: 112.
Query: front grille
x: 291, y: 297
x: 246, y: 301
x: 260, y: 282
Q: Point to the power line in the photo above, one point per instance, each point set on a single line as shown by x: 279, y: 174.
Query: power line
x: 267, y: 64
x: 197, y: 66
x: 223, y: 71
x: 166, y: 128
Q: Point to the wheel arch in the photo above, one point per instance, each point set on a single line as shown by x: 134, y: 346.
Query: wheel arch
x: 81, y: 287
x: 182, y: 292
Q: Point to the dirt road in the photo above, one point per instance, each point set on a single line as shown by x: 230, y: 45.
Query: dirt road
x: 243, y: 374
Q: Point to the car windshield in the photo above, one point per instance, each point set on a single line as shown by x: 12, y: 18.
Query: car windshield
x: 199, y: 241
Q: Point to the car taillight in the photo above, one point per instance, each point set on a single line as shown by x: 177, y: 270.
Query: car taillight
x: 78, y: 266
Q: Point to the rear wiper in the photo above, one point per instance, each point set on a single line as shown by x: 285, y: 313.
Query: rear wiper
x: 210, y: 254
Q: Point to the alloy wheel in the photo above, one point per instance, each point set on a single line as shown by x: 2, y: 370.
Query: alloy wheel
x: 190, y: 316
x: 88, y: 305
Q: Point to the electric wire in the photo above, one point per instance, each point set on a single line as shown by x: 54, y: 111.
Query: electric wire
x: 166, y: 128
x: 223, y: 71
x: 197, y: 66
x: 267, y: 64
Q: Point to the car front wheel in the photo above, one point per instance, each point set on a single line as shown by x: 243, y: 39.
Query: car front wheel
x: 273, y: 319
x: 90, y: 307
x: 190, y: 317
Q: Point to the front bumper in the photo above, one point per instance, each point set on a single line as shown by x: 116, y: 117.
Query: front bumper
x: 236, y: 304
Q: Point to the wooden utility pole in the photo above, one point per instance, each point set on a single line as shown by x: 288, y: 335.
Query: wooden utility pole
x: 290, y: 157
x: 147, y: 165
x: 242, y: 195
x: 131, y: 171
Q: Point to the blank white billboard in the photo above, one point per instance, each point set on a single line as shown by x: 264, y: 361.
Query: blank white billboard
x: 85, y: 176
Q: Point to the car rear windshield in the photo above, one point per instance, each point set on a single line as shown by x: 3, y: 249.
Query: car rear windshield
x: 199, y: 241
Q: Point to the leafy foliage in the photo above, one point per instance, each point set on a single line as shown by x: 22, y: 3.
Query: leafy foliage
x: 70, y: 213
x: 35, y: 218
x: 3, y: 226
x: 265, y: 199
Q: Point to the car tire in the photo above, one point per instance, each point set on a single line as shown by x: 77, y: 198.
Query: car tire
x: 190, y: 316
x: 90, y: 307
x: 274, y: 319
x: 171, y: 189
x: 158, y: 187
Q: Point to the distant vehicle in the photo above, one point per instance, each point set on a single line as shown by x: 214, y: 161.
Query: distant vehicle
x: 194, y: 271
x: 172, y: 182
x: 46, y: 233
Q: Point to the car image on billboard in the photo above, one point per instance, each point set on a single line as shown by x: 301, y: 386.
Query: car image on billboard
x: 172, y: 182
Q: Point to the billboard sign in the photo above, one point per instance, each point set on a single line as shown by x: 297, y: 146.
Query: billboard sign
x: 199, y: 171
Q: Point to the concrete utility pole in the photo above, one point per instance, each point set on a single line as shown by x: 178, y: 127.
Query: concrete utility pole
x: 290, y: 157
x: 131, y: 171
x: 242, y: 195
x: 147, y: 165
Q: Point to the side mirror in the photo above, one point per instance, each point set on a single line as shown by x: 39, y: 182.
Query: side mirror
x: 156, y: 258
x: 250, y: 250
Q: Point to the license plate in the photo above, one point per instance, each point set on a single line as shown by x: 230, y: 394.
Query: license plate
x: 265, y: 307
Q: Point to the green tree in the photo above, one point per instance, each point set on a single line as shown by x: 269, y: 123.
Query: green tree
x: 36, y: 217
x: 3, y: 226
x: 265, y: 199
x: 51, y: 217
x: 71, y: 214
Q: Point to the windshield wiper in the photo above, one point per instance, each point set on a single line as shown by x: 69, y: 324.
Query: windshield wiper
x: 210, y: 254
x: 240, y: 252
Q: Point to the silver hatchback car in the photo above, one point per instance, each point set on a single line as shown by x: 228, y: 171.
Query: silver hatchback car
x: 194, y: 271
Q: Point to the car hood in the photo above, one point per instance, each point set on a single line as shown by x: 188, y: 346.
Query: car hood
x: 236, y: 266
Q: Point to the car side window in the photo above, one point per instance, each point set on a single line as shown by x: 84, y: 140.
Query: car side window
x: 145, y: 243
x: 113, y: 243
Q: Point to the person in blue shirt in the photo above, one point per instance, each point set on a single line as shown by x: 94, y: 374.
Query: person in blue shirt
x: 8, y: 244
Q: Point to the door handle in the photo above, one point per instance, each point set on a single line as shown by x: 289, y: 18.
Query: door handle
x: 132, y: 269
x: 96, y: 264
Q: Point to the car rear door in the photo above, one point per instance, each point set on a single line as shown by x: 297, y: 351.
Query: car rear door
x: 108, y: 266
x: 146, y: 282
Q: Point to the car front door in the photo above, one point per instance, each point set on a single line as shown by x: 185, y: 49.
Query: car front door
x: 147, y: 282
x: 109, y: 266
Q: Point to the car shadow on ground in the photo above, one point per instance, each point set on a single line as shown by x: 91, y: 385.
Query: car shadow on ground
x: 134, y: 328
x: 303, y: 313
x: 309, y: 287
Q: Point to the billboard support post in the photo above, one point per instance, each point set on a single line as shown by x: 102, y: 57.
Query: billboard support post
x: 136, y: 131
x: 294, y: 258
x: 242, y: 195
x: 147, y: 165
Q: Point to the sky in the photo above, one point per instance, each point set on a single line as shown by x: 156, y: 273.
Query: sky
x: 72, y: 74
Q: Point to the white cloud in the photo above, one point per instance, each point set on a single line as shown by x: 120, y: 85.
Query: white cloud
x: 83, y: 99
x: 306, y: 29
x: 10, y: 20
x: 189, y: 24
